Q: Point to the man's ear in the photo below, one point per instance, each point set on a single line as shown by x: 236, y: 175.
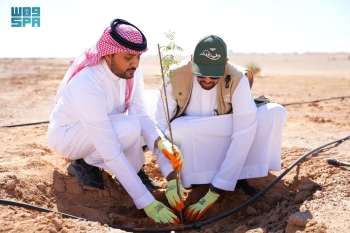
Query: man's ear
x: 108, y: 58
x: 191, y: 57
x: 226, y: 61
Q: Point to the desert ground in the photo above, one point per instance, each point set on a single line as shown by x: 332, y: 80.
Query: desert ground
x: 312, y: 196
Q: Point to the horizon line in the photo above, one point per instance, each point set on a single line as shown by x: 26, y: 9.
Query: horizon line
x: 184, y: 55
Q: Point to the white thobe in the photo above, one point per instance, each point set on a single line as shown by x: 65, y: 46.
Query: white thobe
x: 88, y: 122
x: 222, y: 149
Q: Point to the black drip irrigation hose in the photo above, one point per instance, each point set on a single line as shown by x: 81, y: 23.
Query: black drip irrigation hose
x: 198, y: 225
x: 312, y: 101
x: 26, y: 124
x: 194, y: 225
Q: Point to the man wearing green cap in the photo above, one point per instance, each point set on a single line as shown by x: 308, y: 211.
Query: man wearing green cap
x: 222, y: 134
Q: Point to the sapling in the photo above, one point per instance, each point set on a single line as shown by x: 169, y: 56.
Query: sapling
x: 165, y: 63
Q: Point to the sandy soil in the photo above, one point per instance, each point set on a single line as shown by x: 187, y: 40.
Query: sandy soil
x: 312, y: 196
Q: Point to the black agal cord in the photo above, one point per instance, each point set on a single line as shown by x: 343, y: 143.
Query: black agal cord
x: 118, y: 38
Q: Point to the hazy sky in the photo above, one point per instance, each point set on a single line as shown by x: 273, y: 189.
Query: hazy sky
x: 258, y: 26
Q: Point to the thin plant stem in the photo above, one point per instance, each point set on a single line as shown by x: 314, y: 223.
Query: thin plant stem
x: 166, y: 110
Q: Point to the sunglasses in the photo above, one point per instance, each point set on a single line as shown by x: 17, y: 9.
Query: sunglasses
x: 211, y: 77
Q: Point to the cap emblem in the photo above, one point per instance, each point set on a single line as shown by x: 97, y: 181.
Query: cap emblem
x: 207, y: 54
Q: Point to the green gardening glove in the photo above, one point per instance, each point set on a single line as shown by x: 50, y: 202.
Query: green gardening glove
x: 160, y: 213
x: 175, y: 157
x: 171, y: 194
x: 197, y: 210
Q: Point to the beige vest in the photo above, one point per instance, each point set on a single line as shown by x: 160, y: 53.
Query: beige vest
x: 182, y: 83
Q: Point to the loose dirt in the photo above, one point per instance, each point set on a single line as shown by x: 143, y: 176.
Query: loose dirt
x: 312, y: 197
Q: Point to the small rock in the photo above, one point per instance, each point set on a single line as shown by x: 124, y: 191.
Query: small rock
x: 301, y: 196
x: 251, y: 211
x: 299, y: 219
x: 241, y: 229
x: 74, y: 188
x: 59, y: 185
x: 318, y: 194
x: 70, y: 225
x: 311, y: 223
x: 106, y: 193
x: 41, y: 187
x: 52, y: 230
x: 28, y: 197
x: 57, y: 223
x: 47, y: 183
x: 273, y: 218
x: 284, y: 213
x: 273, y: 197
x: 11, y: 185
x: 308, y: 185
x: 253, y: 222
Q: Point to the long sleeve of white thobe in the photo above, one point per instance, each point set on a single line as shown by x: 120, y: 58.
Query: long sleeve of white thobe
x: 93, y: 95
x: 148, y: 128
x: 244, y: 125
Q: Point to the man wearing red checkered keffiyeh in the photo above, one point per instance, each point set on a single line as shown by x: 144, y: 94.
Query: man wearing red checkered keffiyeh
x: 99, y: 118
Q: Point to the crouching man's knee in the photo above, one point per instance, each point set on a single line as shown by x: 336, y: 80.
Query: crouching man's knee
x: 279, y: 112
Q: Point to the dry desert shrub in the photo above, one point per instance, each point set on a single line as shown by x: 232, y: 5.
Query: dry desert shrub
x: 255, y: 68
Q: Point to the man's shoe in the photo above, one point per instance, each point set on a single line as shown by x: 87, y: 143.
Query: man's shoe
x: 150, y: 184
x: 249, y: 190
x: 87, y: 174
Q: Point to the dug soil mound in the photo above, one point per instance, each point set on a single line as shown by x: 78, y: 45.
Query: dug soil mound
x: 311, y: 196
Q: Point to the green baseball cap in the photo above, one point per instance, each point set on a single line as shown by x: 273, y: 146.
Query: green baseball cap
x: 209, y: 58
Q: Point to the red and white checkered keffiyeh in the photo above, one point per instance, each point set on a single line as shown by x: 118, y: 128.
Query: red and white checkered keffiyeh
x: 106, y: 45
